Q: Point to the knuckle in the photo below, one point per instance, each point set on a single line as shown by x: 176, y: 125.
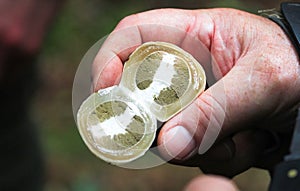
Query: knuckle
x: 212, y: 112
x: 127, y: 21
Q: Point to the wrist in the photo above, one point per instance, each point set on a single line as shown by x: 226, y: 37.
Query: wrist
x: 288, y: 20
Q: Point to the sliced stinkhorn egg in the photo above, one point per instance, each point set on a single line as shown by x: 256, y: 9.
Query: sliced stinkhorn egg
x: 119, y: 123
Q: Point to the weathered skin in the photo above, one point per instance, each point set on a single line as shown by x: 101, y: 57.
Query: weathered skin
x: 254, y: 61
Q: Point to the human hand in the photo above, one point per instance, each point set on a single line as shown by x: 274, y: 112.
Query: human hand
x: 210, y: 183
x: 258, y: 83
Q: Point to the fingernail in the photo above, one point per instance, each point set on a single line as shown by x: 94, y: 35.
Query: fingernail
x: 179, y: 143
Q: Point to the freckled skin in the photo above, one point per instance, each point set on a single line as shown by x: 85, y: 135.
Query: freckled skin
x: 258, y: 71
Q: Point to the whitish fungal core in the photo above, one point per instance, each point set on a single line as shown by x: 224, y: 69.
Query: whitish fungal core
x: 179, y: 85
x: 133, y: 132
x: 148, y: 70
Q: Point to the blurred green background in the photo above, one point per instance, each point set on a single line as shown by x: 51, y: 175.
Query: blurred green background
x: 70, y: 165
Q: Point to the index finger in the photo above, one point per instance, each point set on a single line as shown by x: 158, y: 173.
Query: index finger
x: 179, y: 27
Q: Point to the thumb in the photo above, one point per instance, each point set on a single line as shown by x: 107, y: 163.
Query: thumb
x: 195, y: 128
x: 222, y: 109
x: 211, y: 183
